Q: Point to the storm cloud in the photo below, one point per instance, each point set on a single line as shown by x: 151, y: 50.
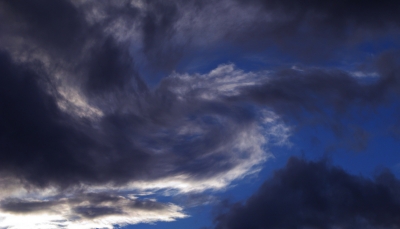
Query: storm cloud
x: 96, y: 103
x: 318, y: 195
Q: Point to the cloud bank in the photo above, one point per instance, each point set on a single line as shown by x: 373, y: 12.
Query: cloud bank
x: 317, y: 195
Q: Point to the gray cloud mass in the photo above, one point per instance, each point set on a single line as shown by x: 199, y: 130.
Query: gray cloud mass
x: 317, y: 195
x: 94, y: 103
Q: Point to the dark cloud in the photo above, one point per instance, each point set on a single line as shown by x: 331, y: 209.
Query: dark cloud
x: 331, y: 97
x: 318, y: 195
x: 164, y: 34
x: 374, y: 14
x: 78, y: 110
x: 57, y: 23
x: 158, y: 28
x: 109, y: 66
x: 313, y: 31
x: 23, y: 207
x: 44, y: 145
x: 94, y: 212
x: 197, y: 128
x: 34, y: 139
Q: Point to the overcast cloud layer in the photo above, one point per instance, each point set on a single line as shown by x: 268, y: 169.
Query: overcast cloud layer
x: 97, y: 109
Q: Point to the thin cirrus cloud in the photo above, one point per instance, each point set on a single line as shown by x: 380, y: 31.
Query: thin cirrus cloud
x: 82, y: 126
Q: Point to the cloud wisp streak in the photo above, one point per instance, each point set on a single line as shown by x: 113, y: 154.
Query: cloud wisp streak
x: 89, y: 210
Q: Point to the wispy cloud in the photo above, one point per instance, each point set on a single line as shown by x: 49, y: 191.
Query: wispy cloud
x: 90, y: 210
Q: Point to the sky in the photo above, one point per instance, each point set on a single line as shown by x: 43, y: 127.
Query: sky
x: 199, y: 114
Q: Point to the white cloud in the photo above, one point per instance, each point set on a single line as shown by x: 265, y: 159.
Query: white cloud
x: 225, y: 80
x: 85, y: 211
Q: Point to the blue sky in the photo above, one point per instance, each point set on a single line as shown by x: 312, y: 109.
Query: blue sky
x: 214, y: 114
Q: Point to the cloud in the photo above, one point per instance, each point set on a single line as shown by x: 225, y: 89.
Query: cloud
x: 179, y: 137
x: 181, y: 129
x: 328, y: 97
x: 85, y: 210
x: 189, y: 134
x: 312, y: 31
x: 53, y: 24
x: 317, y: 195
x: 84, y: 111
x: 161, y: 35
x: 308, y: 31
x: 340, y: 13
